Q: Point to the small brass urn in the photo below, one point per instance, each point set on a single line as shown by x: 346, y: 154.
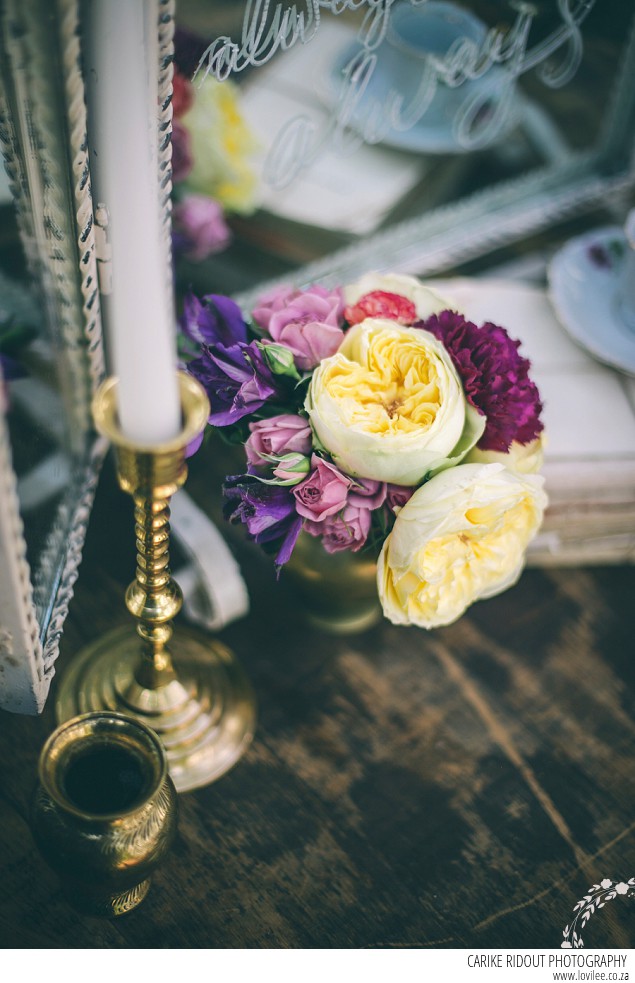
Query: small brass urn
x: 105, y: 810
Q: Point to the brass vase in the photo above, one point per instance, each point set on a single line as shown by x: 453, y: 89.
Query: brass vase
x: 105, y: 810
x: 337, y: 591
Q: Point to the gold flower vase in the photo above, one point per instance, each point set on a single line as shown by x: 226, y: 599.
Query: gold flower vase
x: 196, y: 697
x: 104, y: 814
x: 337, y: 591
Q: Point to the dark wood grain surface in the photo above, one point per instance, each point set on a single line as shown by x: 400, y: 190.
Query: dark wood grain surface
x: 457, y: 788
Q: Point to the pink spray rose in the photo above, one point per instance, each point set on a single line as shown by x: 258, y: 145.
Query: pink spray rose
x: 367, y: 493
x: 200, y: 222
x: 323, y: 492
x: 308, y: 322
x: 276, y: 436
x: 348, y: 530
x: 397, y: 496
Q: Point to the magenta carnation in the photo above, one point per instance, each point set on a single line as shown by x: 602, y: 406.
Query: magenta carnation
x: 495, y: 378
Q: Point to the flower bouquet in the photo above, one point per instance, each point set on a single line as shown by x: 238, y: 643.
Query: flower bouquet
x: 212, y: 147
x: 375, y: 418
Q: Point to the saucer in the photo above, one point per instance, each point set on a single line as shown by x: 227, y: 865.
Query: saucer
x: 584, y: 283
x: 425, y: 136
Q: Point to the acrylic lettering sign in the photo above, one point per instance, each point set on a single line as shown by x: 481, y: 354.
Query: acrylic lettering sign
x: 424, y: 132
x: 419, y: 75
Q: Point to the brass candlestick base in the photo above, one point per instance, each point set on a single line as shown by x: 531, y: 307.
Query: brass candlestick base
x: 199, y: 702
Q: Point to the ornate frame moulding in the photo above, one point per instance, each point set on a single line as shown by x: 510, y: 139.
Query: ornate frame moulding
x: 43, y: 137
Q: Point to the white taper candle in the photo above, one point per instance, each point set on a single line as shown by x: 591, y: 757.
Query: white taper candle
x: 121, y: 46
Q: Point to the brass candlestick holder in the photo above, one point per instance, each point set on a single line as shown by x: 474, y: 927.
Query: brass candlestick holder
x: 199, y: 702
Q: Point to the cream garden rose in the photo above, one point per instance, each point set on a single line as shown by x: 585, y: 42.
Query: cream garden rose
x: 521, y: 458
x: 389, y: 405
x: 461, y: 537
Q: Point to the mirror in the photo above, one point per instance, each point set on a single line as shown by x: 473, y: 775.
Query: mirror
x: 51, y: 259
x: 422, y: 136
x: 417, y: 135
x: 50, y: 338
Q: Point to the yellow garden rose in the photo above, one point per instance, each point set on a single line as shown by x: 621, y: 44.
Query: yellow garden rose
x: 389, y: 404
x: 461, y: 537
x: 221, y: 146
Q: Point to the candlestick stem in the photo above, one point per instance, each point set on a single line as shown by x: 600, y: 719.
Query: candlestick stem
x: 201, y: 704
x: 154, y: 598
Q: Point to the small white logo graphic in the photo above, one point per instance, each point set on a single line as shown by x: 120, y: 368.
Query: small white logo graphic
x: 598, y: 895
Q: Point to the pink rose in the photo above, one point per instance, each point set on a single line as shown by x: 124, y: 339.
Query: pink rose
x: 367, y: 493
x: 323, y: 492
x: 397, y: 496
x: 182, y: 160
x: 201, y: 223
x: 308, y: 322
x: 270, y: 302
x: 182, y: 94
x: 380, y: 303
x: 276, y: 436
x: 348, y: 530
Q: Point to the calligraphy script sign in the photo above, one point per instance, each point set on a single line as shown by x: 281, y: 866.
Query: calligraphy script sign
x: 396, y: 74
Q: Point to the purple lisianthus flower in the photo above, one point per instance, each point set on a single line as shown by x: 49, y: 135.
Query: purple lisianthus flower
x: 194, y: 444
x: 268, y: 511
x: 309, y: 322
x: 215, y: 319
x: 236, y: 380
x: 495, y: 378
x: 182, y: 159
x: 276, y: 436
x: 347, y: 530
x: 323, y: 492
x: 366, y: 493
x: 200, y: 226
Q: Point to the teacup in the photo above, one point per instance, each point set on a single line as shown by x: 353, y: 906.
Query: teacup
x: 626, y: 288
x: 421, y: 42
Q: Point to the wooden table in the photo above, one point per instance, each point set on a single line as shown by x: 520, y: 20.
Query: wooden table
x: 461, y: 788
